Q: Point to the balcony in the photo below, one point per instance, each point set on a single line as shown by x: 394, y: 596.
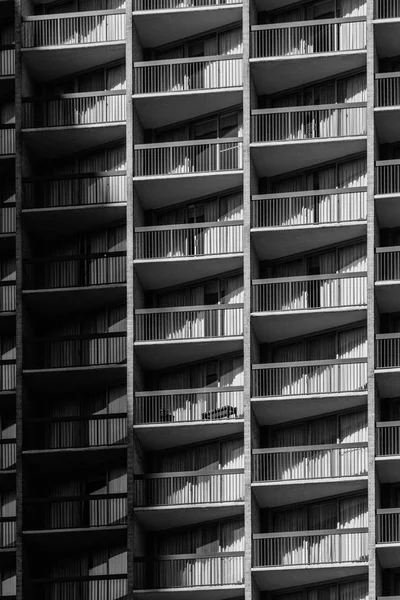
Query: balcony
x: 167, y: 255
x: 284, y: 560
x: 8, y: 458
x: 388, y: 279
x: 387, y: 106
x: 290, y: 391
x: 388, y: 537
x: 387, y: 19
x: 294, y: 138
x: 292, y: 222
x: 165, y: 500
x: 388, y: 451
x: 7, y: 535
x: 387, y: 364
x: 287, y: 55
x: 64, y: 284
x: 211, y: 166
x: 7, y: 61
x: 7, y: 141
x: 187, y: 416
x: 280, y: 474
x: 58, y: 45
x: 107, y: 586
x: 296, y: 306
x: 95, y: 119
x: 387, y: 193
x: 7, y: 306
x: 171, y: 336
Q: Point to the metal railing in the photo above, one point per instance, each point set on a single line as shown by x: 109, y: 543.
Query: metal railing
x: 309, y: 122
x: 388, y: 438
x: 180, y: 158
x: 189, y: 570
x: 388, y: 350
x: 187, y: 74
x: 8, y: 453
x: 310, y: 462
x: 308, y: 37
x: 77, y: 432
x: 139, y: 5
x: 76, y: 351
x: 106, y: 586
x: 80, y: 28
x: 310, y: 292
x: 7, y: 375
x: 7, y: 61
x: 7, y: 296
x: 184, y: 323
x: 8, y: 218
x: 195, y: 239
x: 388, y: 525
x: 7, y: 140
x: 310, y: 547
x: 316, y: 207
x: 388, y: 263
x: 171, y: 489
x: 310, y: 377
x: 81, y: 270
x: 74, y: 109
x: 7, y: 532
x: 387, y: 89
x: 387, y: 177
x: 181, y: 406
x: 74, y: 190
x: 387, y: 9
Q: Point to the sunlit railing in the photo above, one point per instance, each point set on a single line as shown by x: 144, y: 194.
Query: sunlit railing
x: 180, y: 406
x: 186, y: 74
x: 74, y: 190
x: 388, y: 263
x: 387, y: 9
x: 170, y: 489
x: 74, y: 109
x: 388, y: 525
x: 388, y: 350
x: 180, y: 158
x: 67, y: 588
x: 179, y: 4
x: 387, y: 89
x: 76, y: 351
x: 7, y: 61
x: 7, y: 296
x: 309, y: 122
x: 7, y: 140
x: 310, y: 547
x: 387, y: 177
x: 8, y: 374
x: 8, y: 454
x: 310, y: 292
x: 316, y: 207
x: 195, y: 239
x: 310, y: 377
x: 310, y: 462
x: 82, y: 28
x: 7, y: 532
x: 189, y: 570
x: 75, y: 271
x: 388, y: 438
x: 308, y: 37
x: 195, y: 322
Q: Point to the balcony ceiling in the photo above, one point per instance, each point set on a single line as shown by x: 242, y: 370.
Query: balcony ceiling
x: 166, y: 517
x: 388, y: 381
x: 387, y: 37
x: 388, y: 296
x: 389, y: 555
x: 388, y: 469
x: 279, y: 578
x: 387, y: 123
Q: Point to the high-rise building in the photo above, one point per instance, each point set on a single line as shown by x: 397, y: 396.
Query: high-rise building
x: 200, y: 299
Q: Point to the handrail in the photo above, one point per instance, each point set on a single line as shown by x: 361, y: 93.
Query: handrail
x: 310, y: 193
x: 200, y: 473
x: 309, y: 23
x: 184, y: 61
x: 29, y: 99
x: 147, y: 311
x: 388, y: 424
x: 387, y: 163
x: 7, y: 126
x: 47, y: 500
x: 71, y: 257
x: 286, y: 449
x: 73, y: 176
x: 104, y: 417
x: 210, y: 390
x: 310, y: 363
x: 278, y: 534
x: 392, y: 75
x: 316, y: 107
x: 188, y: 226
x: 67, y: 338
x: 201, y: 555
x: 84, y: 13
x: 80, y: 578
x: 387, y: 336
x: 310, y: 278
x: 186, y: 143
x: 388, y: 511
x: 387, y: 249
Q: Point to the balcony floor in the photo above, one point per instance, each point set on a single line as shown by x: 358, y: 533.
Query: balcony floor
x: 216, y: 592
x: 278, y: 578
x: 276, y: 74
x: 274, y: 158
x: 387, y: 123
x: 387, y: 295
x: 276, y: 242
x: 161, y: 518
x: 69, y: 539
x: 387, y: 37
x: 7, y: 322
x: 388, y: 381
x: 389, y: 555
x: 388, y: 468
x: 75, y: 378
x: 66, y: 459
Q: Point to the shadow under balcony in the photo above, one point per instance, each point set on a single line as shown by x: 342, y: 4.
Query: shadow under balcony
x: 172, y: 336
x: 387, y: 365
x: 68, y: 284
x: 288, y: 55
x: 167, y: 173
x: 387, y: 193
x: 387, y: 107
x: 293, y: 138
x: 296, y: 306
x: 387, y: 461
x: 168, y: 91
x: 7, y: 70
x: 8, y: 219
x: 308, y: 472
x: 388, y: 537
x: 168, y: 500
x: 387, y: 280
x: 7, y: 306
x: 7, y: 541
x: 72, y: 123
x: 58, y: 45
x: 293, y: 222
x: 75, y: 203
x: 387, y: 28
x: 182, y: 417
x: 107, y: 586
x: 282, y: 560
x: 168, y: 255
x: 8, y: 461
x: 285, y: 392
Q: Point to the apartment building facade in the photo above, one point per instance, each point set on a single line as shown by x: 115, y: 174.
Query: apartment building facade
x: 199, y: 309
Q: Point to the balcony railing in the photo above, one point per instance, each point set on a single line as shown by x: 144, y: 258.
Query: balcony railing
x: 388, y: 351
x: 189, y: 570
x: 74, y: 109
x: 291, y: 209
x: 8, y: 454
x: 388, y: 525
x: 7, y: 375
x: 180, y: 158
x: 310, y: 462
x: 309, y: 122
x: 171, y: 489
x: 197, y: 322
x: 388, y: 438
x: 8, y: 218
x: 179, y: 4
x: 69, y: 512
x: 187, y: 74
x: 388, y: 264
x: 308, y: 37
x: 7, y: 296
x: 76, y: 351
x: 7, y: 532
x: 310, y: 377
x: 387, y: 89
x: 91, y: 431
x: 82, y: 28
x: 75, y: 190
x: 83, y: 270
x: 7, y: 61
x: 387, y: 9
x: 301, y: 548
x: 181, y: 406
x: 106, y: 586
x: 196, y: 239
x: 7, y: 140
x: 304, y: 293
x: 387, y: 177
